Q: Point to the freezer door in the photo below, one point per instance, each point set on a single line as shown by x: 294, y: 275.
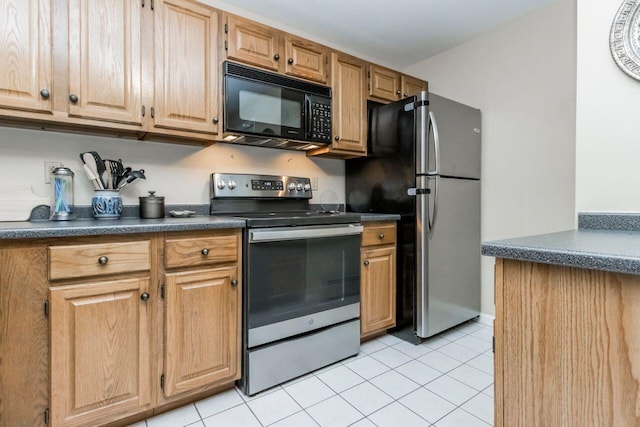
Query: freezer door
x: 459, y: 131
x: 452, y: 291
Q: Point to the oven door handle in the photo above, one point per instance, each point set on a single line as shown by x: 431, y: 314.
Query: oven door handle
x: 293, y: 233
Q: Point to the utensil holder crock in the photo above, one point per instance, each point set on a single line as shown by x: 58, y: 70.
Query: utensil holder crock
x: 106, y: 204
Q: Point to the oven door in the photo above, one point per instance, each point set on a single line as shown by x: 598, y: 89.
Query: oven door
x: 263, y: 109
x: 299, y: 279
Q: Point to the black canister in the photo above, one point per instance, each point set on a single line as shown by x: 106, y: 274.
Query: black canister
x: 151, y: 206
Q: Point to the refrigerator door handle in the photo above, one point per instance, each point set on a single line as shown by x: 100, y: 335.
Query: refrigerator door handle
x: 433, y: 124
x: 433, y: 214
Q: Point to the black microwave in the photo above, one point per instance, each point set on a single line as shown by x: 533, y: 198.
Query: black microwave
x: 273, y: 107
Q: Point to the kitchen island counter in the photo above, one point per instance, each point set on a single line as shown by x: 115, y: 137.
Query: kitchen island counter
x: 607, y: 250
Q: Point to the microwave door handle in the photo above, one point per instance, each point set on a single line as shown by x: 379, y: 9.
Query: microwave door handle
x: 307, y: 111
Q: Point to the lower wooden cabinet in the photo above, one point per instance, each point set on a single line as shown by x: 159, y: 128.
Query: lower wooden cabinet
x: 100, y: 351
x: 567, y: 346
x: 378, y: 278
x: 202, y: 329
x: 108, y: 330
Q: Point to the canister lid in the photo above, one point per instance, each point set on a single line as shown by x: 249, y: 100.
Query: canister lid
x: 61, y: 170
x: 151, y: 198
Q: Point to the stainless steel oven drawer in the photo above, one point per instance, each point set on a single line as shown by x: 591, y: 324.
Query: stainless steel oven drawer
x: 277, y: 363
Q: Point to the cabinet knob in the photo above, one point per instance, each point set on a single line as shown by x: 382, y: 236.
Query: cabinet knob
x: 337, y: 138
x: 366, y: 263
x: 103, y: 260
x: 290, y: 60
x: 381, y: 236
x: 405, y: 94
x: 397, y: 92
x: 44, y: 94
x: 73, y: 98
x: 205, y: 252
x: 276, y: 57
x: 145, y: 296
x: 234, y: 282
x: 215, y: 120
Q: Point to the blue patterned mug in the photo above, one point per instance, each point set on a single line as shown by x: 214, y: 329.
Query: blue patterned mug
x: 106, y: 204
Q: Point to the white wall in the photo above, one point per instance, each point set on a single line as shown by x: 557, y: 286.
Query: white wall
x: 522, y: 77
x: 178, y: 172
x: 608, y: 119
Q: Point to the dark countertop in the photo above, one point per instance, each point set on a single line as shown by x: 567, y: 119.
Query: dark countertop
x: 126, y: 225
x: 599, y: 249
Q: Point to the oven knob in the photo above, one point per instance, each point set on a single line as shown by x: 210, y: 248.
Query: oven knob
x: 221, y: 185
x: 231, y: 185
x: 291, y: 187
x: 299, y: 187
x: 307, y: 187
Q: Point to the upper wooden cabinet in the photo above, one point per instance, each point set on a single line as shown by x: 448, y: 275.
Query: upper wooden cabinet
x: 251, y: 42
x: 410, y: 86
x: 186, y: 67
x: 348, y: 78
x: 383, y: 83
x: 25, y: 54
x: 306, y: 59
x: 389, y: 85
x: 266, y: 47
x: 105, y: 77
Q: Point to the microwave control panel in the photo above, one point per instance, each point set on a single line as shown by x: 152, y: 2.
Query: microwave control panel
x: 320, y: 122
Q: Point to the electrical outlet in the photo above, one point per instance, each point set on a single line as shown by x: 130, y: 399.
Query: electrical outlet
x: 314, y: 183
x: 49, y: 166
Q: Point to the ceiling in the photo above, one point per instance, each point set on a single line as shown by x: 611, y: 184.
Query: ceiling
x: 398, y: 33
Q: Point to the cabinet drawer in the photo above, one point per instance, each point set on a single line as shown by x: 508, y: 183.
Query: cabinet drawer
x: 379, y: 234
x: 66, y: 262
x: 194, y: 251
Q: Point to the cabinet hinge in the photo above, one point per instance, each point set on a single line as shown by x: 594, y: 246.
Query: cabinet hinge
x: 153, y: 113
x: 493, y: 344
x: 151, y: 4
x: 143, y: 111
x: 46, y: 308
x: 142, y: 3
x: 162, y: 289
x: 369, y: 74
x: 162, y: 381
x: 46, y: 416
x: 226, y: 28
x: 368, y: 86
x: 226, y: 45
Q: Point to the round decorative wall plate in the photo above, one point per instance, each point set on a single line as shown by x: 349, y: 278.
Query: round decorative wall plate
x: 624, y: 39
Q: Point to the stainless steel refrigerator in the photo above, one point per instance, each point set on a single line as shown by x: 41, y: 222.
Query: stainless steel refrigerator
x: 424, y: 163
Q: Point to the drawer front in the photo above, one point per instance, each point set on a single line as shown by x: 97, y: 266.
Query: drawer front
x: 379, y: 234
x: 194, y: 251
x: 67, y: 262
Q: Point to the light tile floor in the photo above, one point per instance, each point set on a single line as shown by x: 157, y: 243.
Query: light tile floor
x: 447, y: 381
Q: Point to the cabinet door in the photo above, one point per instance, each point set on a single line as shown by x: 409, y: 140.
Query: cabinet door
x: 104, y: 60
x: 378, y: 292
x: 186, y: 73
x: 202, y: 331
x: 412, y: 86
x: 349, y: 104
x: 100, y: 341
x: 306, y: 59
x: 253, y: 43
x: 384, y: 83
x: 25, y: 55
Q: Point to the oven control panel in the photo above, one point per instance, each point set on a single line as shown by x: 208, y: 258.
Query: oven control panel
x: 235, y: 185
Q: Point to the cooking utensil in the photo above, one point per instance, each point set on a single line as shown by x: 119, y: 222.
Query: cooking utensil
x: 90, y: 162
x: 100, y: 168
x: 92, y: 177
x: 131, y: 176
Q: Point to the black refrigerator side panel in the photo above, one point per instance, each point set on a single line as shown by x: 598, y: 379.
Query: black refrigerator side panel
x: 378, y: 183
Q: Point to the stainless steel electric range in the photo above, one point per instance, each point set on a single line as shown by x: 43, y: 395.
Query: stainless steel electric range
x: 301, y: 271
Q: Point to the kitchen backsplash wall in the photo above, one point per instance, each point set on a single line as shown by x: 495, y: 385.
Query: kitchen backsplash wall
x: 180, y: 173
